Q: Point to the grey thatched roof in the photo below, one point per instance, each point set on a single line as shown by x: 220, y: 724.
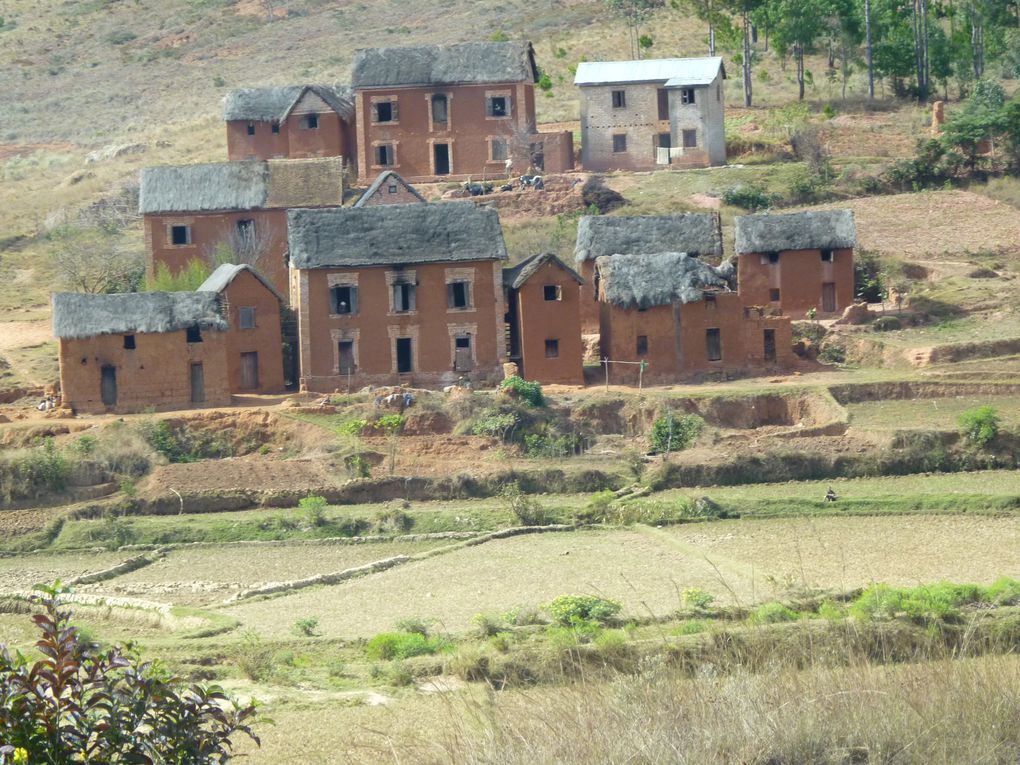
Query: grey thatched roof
x: 515, y: 277
x: 693, y: 233
x: 661, y: 278
x: 473, y: 62
x: 383, y: 177
x: 224, y: 274
x: 393, y: 235
x: 274, y: 103
x: 815, y: 229
x: 205, y: 187
x: 78, y: 315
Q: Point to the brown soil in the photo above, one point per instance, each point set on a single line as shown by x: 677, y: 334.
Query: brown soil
x: 250, y: 473
x: 16, y: 522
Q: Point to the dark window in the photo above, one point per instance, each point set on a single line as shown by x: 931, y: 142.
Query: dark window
x: 619, y: 99
x: 773, y: 257
x: 642, y: 345
x: 462, y: 342
x: 405, y: 356
x: 774, y: 296
x: 497, y: 106
x: 826, y: 256
x: 687, y: 95
x: 346, y: 352
x: 392, y: 188
x: 384, y: 154
x: 710, y: 301
x: 552, y: 292
x: 311, y: 122
x: 194, y: 334
x: 246, y: 227
x: 498, y: 149
x: 713, y: 344
x: 385, y: 111
x: 769, y: 345
x: 403, y: 297
x: 619, y: 142
x: 458, y: 295
x: 129, y: 342
x: 439, y: 110
x: 663, y: 96
x: 690, y: 138
x: 251, y: 128
x: 666, y: 142
x: 343, y: 300
x: 552, y: 349
x: 180, y: 234
x: 246, y: 317
x: 276, y: 128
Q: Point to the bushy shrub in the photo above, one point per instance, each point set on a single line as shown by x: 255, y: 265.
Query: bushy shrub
x: 672, y: 433
x: 306, y: 626
x: 832, y: 353
x: 886, y: 324
x: 697, y: 599
x: 28, y: 473
x: 353, y: 427
x: 403, y: 645
x: 749, y: 197
x: 254, y: 657
x: 497, y: 424
x: 773, y: 613
x: 979, y: 426
x: 82, y: 703
x: 527, y: 391
x: 524, y: 508
x: 575, y: 610
x: 314, y: 510
x: 415, y: 625
x: 939, y: 601
x: 553, y: 445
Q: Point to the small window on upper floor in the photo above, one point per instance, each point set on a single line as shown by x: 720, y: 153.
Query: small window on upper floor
x: 552, y: 292
x: 774, y: 295
x: 384, y: 154
x: 619, y: 99
x: 552, y: 349
x: 310, y: 122
x: 710, y: 301
x: 497, y: 106
x: 343, y: 300
x: 687, y: 95
x: 180, y: 235
x: 770, y: 257
x: 384, y: 111
x: 392, y: 188
x: 458, y: 295
x: 403, y: 297
x: 276, y: 128
x: 251, y: 128
x: 246, y: 317
x: 440, y: 112
x: 194, y: 334
x: 826, y: 256
x: 129, y: 342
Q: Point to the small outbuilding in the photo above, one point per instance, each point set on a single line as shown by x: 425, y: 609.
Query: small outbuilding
x: 134, y: 351
x: 390, y: 189
x: 797, y: 262
x: 544, y: 320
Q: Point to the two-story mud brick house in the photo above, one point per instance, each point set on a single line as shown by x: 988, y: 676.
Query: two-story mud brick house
x: 641, y: 115
x: 452, y: 111
x: 797, y: 261
x: 296, y: 121
x: 388, y: 294
x: 697, y: 234
x: 233, y: 211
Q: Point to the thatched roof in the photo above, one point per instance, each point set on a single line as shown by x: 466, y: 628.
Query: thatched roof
x: 247, y: 185
x: 662, y: 278
x: 224, y: 274
x: 393, y: 235
x: 387, y: 176
x: 78, y: 315
x: 463, y: 63
x: 274, y: 104
x: 515, y: 277
x: 815, y: 229
x: 693, y: 233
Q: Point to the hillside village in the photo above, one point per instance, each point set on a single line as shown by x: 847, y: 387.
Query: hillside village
x: 578, y: 381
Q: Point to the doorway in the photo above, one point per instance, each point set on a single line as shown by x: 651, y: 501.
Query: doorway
x: 829, y: 297
x: 441, y: 152
x: 462, y: 354
x: 109, y: 385
x: 404, y: 356
x: 250, y: 370
x: 197, y: 384
x: 770, y: 345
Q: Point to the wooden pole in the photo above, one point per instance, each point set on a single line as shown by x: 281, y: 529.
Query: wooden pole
x: 605, y: 363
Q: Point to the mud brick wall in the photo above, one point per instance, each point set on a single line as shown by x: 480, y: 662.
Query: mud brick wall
x: 542, y: 320
x: 265, y: 339
x: 799, y: 276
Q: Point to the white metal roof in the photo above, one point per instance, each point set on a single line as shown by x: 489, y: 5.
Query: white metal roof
x: 674, y: 72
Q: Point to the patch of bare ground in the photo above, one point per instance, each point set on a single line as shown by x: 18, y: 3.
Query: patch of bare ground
x: 14, y: 523
x: 24, y: 571
x: 253, y: 473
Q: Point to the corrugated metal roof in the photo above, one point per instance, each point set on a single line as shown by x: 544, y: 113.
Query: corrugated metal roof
x: 685, y: 71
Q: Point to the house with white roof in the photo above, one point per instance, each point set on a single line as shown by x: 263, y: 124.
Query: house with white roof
x: 657, y: 113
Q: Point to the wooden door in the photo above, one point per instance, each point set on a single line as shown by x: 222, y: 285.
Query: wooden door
x: 462, y: 355
x: 197, y: 384
x: 109, y: 385
x: 829, y: 297
x: 250, y: 370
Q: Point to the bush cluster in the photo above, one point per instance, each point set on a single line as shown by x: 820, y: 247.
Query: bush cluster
x: 529, y: 392
x: 979, y: 426
x: 672, y: 433
x: 580, y: 610
x: 749, y: 197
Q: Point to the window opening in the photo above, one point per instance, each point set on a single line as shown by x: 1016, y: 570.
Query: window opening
x: 129, y: 342
x: 552, y: 349
x: 619, y: 99
x: 713, y: 342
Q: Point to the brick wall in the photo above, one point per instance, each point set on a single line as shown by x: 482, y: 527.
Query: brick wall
x: 798, y: 275
x: 246, y: 291
x: 157, y: 373
x: 540, y: 320
x: 400, y: 195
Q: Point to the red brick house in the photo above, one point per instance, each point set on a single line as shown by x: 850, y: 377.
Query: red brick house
x: 389, y: 294
x: 130, y: 352
x: 291, y: 122
x: 389, y: 189
x: 254, y: 343
x: 797, y: 261
x: 697, y: 234
x: 453, y: 111
x: 544, y: 320
x: 231, y: 210
x: 679, y: 315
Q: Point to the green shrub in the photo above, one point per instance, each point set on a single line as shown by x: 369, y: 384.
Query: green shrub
x: 403, y: 645
x: 749, y: 197
x: 523, y: 616
x: 78, y: 698
x: 353, y: 427
x: 415, y: 625
x: 545, y: 82
x: 697, y: 599
x: 314, y: 510
x: 831, y: 610
x: 497, y: 424
x: 1002, y: 592
x: 528, y: 392
x: 574, y: 610
x: 524, y: 508
x: 832, y: 353
x: 551, y: 445
x: 254, y: 658
x: 939, y: 601
x: 489, y: 624
x: 979, y: 426
x: 773, y: 613
x: 84, y: 446
x: 886, y: 324
x: 306, y: 626
x: 390, y: 424
x: 690, y: 627
x: 393, y: 519
x: 671, y: 433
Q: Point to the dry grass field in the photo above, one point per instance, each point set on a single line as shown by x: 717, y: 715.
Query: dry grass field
x: 934, y: 413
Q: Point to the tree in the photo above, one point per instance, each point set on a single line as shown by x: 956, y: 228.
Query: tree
x: 744, y: 9
x: 94, y: 260
x: 633, y: 13
x: 1011, y: 130
x: 83, y: 703
x: 707, y: 11
x: 800, y: 22
x: 980, y: 120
